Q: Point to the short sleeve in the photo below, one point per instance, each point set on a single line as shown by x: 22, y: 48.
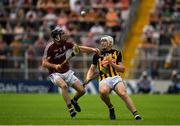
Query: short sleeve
x: 119, y: 57
x: 69, y: 45
x: 47, y: 51
x: 95, y: 59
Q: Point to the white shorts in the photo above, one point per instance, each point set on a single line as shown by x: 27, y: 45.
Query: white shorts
x: 111, y: 81
x: 68, y: 77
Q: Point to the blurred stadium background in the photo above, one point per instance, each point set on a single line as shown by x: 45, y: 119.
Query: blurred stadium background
x: 146, y: 31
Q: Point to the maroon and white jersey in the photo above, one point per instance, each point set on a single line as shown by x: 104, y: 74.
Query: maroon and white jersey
x: 56, y: 54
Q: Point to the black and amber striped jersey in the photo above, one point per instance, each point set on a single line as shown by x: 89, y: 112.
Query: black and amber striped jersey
x: 110, y: 71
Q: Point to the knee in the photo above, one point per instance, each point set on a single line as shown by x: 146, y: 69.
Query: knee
x: 103, y: 91
x: 82, y: 91
x: 123, y: 93
x: 64, y: 86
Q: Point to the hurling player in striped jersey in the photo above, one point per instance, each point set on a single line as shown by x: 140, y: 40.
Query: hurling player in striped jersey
x: 109, y: 64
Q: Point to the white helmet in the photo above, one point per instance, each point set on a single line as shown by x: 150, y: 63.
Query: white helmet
x: 109, y: 39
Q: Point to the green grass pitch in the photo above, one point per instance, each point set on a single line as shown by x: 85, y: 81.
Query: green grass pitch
x: 50, y: 109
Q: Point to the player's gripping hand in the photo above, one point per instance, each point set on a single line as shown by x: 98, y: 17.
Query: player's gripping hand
x: 111, y: 61
x: 108, y: 60
x: 85, y: 83
x: 76, y: 49
x: 58, y: 66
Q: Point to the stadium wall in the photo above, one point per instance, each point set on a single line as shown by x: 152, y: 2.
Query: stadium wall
x: 26, y: 86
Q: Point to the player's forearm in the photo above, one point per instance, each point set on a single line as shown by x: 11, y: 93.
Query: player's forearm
x: 87, y: 49
x: 89, y: 74
x: 48, y: 65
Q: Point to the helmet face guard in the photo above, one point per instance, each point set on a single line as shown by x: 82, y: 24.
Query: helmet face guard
x: 58, y: 34
x: 109, y: 40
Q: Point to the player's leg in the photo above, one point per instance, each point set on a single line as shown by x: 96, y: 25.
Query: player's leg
x: 104, y: 90
x: 120, y: 89
x: 64, y: 88
x: 58, y: 81
x: 79, y: 88
x: 74, y: 82
x: 80, y: 92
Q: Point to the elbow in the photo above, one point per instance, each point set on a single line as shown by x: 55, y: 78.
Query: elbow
x: 43, y: 64
x: 122, y: 70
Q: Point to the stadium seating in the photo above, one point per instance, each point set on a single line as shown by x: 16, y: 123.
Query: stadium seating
x: 158, y: 52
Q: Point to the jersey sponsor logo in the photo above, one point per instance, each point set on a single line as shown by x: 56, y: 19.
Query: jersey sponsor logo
x: 60, y: 50
x: 58, y: 55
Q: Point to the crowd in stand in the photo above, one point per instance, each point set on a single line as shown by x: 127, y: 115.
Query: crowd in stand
x: 24, y: 25
x: 24, y: 30
x: 160, y: 48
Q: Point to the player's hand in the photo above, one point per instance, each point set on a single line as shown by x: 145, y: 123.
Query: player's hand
x: 58, y: 66
x: 110, y: 60
x: 76, y: 49
x: 84, y: 84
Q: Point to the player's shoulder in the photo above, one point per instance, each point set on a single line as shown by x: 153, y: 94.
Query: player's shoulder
x: 118, y: 52
x: 49, y: 44
x: 115, y: 50
x: 96, y: 55
x: 69, y: 44
x: 69, y: 41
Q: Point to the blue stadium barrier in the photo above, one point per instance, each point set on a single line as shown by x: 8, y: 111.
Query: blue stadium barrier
x: 35, y: 86
x: 27, y: 86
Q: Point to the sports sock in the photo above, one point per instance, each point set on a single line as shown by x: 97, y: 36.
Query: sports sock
x: 135, y: 113
x: 69, y: 106
x: 75, y: 99
x: 110, y: 106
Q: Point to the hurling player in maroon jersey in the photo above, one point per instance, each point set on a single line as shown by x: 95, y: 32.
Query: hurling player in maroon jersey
x: 61, y: 75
